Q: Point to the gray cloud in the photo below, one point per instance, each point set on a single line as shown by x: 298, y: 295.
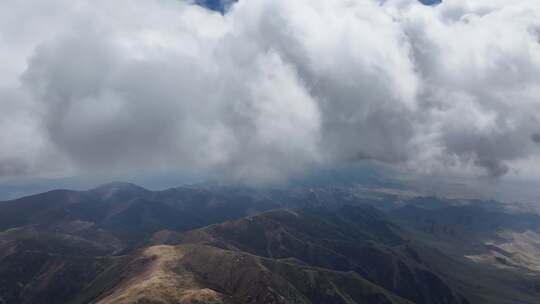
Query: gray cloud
x: 494, y: 168
x: 270, y: 88
x: 12, y: 168
x: 536, y: 138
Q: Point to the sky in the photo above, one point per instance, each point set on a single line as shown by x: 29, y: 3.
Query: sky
x: 268, y: 89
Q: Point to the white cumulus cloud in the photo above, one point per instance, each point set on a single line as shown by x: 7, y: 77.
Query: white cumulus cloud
x: 269, y: 88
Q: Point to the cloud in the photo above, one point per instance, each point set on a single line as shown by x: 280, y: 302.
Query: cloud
x: 268, y: 89
x: 494, y: 168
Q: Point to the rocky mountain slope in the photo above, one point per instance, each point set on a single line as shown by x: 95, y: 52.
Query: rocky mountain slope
x: 120, y: 243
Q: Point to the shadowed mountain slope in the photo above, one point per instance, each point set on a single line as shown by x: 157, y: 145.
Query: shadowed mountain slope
x: 357, y: 239
x: 120, y: 243
x: 122, y: 215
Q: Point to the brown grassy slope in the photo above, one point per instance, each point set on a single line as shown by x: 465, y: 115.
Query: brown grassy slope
x: 205, y: 274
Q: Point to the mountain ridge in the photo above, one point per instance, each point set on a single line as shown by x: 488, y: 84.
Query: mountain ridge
x: 342, y: 245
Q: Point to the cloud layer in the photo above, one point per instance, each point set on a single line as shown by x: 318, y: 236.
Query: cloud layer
x: 269, y: 88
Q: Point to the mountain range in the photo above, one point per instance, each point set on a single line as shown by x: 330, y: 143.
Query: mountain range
x: 209, y: 243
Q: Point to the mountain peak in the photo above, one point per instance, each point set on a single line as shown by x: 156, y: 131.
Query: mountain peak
x: 120, y: 185
x: 114, y: 189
